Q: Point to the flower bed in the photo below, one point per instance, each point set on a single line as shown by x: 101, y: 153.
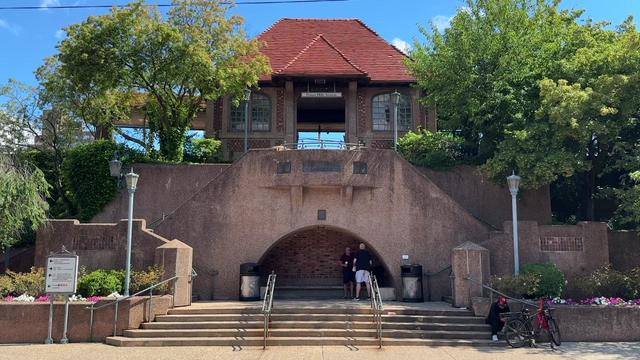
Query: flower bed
x: 599, y: 300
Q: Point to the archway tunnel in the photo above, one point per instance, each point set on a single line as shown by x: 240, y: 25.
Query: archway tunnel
x: 310, y: 257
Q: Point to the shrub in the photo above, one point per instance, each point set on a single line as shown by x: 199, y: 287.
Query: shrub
x: 609, y: 282
x: 552, y: 279
x: 438, y: 150
x: 203, y: 150
x: 30, y: 283
x: 522, y: 285
x: 101, y: 283
x: 6, y: 285
x: 141, y: 280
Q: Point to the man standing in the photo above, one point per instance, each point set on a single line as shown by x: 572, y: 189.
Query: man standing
x: 346, y: 261
x: 362, y: 265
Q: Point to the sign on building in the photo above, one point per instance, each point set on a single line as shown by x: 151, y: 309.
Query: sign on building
x: 62, y: 274
x: 321, y: 95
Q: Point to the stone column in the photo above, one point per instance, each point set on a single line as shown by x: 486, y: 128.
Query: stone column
x: 469, y: 260
x: 175, y: 258
x: 289, y: 113
x: 351, y: 113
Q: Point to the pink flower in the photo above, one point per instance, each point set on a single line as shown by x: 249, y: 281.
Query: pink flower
x: 94, y: 298
x: 8, y: 298
x: 42, y: 298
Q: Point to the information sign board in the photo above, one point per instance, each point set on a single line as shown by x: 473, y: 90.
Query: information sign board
x: 62, y: 274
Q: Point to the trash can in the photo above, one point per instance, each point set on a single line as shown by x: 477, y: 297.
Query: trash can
x: 411, y: 283
x: 249, y: 282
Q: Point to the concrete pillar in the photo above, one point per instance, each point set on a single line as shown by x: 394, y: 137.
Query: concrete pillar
x: 469, y: 260
x: 176, y: 259
x: 351, y: 113
x: 289, y: 113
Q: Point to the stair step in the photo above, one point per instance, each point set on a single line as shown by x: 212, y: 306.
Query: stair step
x: 304, y: 333
x: 319, y: 317
x: 287, y: 341
x: 314, y: 325
x: 315, y: 310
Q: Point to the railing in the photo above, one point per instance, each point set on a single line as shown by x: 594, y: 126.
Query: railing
x: 377, y: 307
x: 492, y: 291
x: 308, y: 144
x: 429, y: 276
x: 267, y: 305
x: 116, y: 303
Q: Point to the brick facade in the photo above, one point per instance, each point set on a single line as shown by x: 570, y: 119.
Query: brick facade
x: 311, y: 257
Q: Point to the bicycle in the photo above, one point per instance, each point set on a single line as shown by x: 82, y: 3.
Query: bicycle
x: 520, y: 330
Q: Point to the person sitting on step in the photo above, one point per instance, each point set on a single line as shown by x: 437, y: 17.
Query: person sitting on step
x: 494, y: 319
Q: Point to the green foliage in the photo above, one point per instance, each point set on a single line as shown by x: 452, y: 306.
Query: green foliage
x: 141, y: 280
x: 552, y: 281
x: 203, y: 150
x: 101, y: 283
x: 87, y: 178
x: 22, y: 201
x: 438, y: 150
x: 522, y: 285
x: 30, y: 283
x: 609, y: 282
x: 6, y: 285
x: 168, y: 65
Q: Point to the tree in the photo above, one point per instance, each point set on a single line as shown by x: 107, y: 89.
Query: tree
x: 23, y: 205
x: 171, y: 65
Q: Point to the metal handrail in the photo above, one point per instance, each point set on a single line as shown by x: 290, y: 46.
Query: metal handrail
x: 116, y: 303
x: 377, y: 307
x: 485, y: 286
x: 432, y: 274
x: 267, y: 305
x: 311, y: 144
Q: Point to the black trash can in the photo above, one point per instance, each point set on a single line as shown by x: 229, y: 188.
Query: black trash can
x: 411, y: 283
x: 249, y: 282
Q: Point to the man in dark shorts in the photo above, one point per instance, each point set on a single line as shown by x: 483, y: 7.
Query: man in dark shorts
x: 348, y: 276
x: 362, y: 266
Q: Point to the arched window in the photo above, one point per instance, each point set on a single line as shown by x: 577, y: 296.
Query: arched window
x: 382, y: 113
x: 259, y: 116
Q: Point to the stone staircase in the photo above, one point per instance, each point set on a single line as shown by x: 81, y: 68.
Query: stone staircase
x: 304, y: 325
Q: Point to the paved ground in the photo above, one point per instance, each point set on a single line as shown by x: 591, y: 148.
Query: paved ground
x: 588, y: 351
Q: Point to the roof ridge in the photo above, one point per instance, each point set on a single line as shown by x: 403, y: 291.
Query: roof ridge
x: 310, y: 44
x: 270, y: 28
x: 378, y: 35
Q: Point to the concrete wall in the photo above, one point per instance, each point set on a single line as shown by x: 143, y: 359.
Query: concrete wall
x: 583, y: 322
x: 489, y: 202
x: 101, y: 246
x: 624, y: 249
x: 28, y: 322
x: 577, y: 250
x: 161, y: 188
x: 394, y: 208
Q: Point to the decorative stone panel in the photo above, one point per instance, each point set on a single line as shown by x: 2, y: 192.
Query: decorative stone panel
x: 280, y: 110
x: 561, y: 243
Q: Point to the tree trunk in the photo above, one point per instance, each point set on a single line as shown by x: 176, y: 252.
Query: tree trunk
x: 172, y: 142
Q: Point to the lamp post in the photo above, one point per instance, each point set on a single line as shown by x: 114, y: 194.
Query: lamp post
x: 245, y: 98
x: 132, y: 181
x: 514, y: 182
x: 395, y: 100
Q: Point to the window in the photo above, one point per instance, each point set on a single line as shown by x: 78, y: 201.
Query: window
x: 260, y: 115
x: 382, y: 116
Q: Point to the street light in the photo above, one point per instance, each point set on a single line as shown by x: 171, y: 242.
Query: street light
x: 514, y: 183
x: 132, y: 182
x: 246, y: 97
x: 395, y: 100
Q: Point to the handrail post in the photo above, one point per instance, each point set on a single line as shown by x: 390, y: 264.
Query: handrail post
x: 91, y: 324
x: 115, y: 319
x: 150, y: 302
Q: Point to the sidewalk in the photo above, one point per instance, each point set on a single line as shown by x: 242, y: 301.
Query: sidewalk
x: 588, y: 351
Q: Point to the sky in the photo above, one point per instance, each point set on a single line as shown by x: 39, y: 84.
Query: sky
x: 28, y: 36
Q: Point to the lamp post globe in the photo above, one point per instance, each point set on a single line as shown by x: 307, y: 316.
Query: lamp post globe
x: 395, y: 100
x: 115, y: 166
x: 132, y: 183
x: 513, y: 181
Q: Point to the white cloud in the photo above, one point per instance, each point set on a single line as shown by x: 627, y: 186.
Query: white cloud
x: 60, y: 34
x: 12, y: 28
x: 441, y: 22
x: 46, y: 3
x: 401, y: 45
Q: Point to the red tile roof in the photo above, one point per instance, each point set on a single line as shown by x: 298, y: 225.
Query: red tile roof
x: 318, y: 47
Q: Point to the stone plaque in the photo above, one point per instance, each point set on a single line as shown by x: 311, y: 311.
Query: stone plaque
x: 360, y: 167
x: 561, y: 243
x: 321, y: 166
x: 283, y: 167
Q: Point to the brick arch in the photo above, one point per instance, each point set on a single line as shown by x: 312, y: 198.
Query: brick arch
x: 310, y: 257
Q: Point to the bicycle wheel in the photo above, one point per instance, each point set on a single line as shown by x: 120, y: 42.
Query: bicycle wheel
x: 554, y: 332
x: 515, y: 332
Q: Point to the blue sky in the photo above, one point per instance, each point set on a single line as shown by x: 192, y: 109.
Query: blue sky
x: 26, y: 37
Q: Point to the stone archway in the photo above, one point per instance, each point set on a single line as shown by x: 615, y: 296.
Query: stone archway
x: 310, y: 257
